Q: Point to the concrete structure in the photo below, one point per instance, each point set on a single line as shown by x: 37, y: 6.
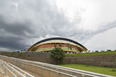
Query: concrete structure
x: 68, y: 45
x: 10, y: 70
x: 50, y: 70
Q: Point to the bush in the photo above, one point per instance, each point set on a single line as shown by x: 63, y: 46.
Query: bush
x: 57, y: 55
x: 13, y: 53
x: 113, y: 60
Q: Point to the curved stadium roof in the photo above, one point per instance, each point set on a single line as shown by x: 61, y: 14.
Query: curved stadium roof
x: 59, y: 38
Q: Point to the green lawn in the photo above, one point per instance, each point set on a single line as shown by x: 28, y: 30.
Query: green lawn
x: 94, y: 53
x: 96, y: 69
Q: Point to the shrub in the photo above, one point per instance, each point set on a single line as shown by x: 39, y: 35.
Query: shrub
x: 57, y: 55
x: 20, y: 54
x: 113, y: 60
x: 12, y: 53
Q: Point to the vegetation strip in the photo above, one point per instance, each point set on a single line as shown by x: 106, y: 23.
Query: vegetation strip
x: 96, y: 69
x: 94, y: 53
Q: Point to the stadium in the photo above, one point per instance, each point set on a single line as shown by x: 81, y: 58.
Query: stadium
x: 68, y: 45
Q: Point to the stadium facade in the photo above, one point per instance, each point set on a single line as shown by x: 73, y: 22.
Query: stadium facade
x: 68, y: 45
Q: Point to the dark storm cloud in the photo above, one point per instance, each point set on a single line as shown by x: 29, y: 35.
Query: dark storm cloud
x: 12, y: 34
x: 12, y: 43
x: 16, y: 28
x: 22, y: 21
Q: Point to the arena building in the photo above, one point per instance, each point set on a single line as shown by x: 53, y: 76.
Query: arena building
x: 68, y: 45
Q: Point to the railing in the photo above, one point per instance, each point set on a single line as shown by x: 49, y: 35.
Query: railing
x: 11, y: 70
x: 50, y: 70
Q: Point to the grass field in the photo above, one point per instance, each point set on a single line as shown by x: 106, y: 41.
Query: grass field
x: 96, y: 69
x: 94, y: 53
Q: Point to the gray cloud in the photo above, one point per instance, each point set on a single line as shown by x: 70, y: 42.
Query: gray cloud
x: 29, y: 20
x: 22, y: 21
x: 11, y: 43
x: 101, y: 29
x: 106, y: 27
x: 12, y: 34
x: 16, y: 28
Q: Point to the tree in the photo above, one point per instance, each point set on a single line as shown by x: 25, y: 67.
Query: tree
x: 68, y: 45
x: 60, y: 45
x: 57, y: 55
x: 113, y: 60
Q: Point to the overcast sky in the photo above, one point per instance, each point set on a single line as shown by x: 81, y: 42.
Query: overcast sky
x: 89, y: 22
